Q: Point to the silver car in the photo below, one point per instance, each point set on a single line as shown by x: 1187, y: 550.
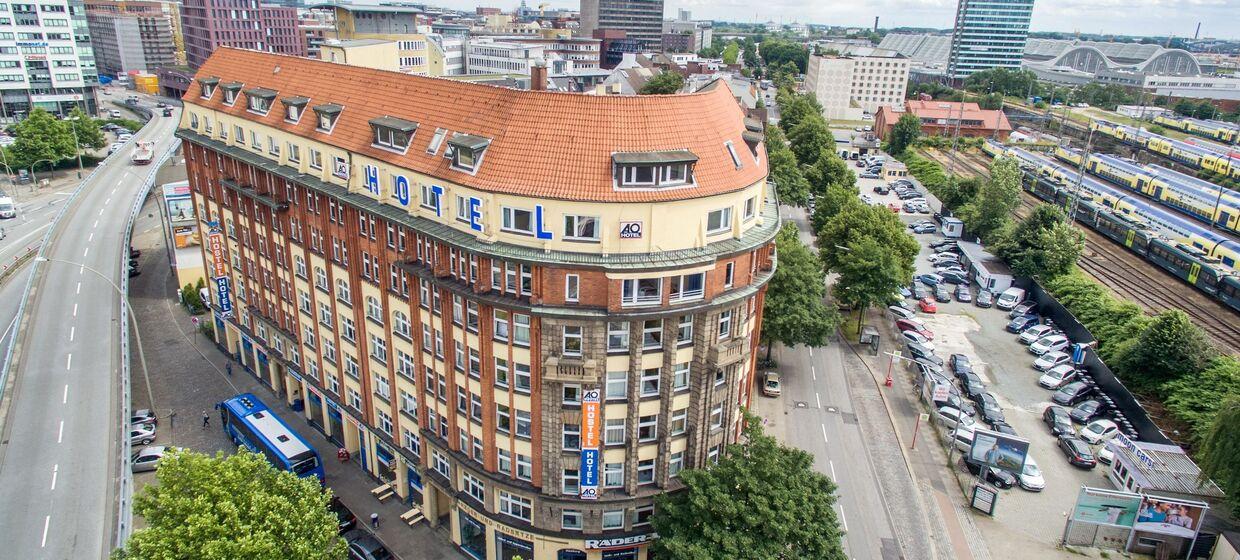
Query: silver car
x: 145, y: 459
x: 141, y: 434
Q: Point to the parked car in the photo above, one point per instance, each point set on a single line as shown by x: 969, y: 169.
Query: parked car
x: 990, y: 475
x: 927, y: 305
x: 985, y: 299
x: 141, y: 434
x: 931, y: 358
x: 1035, y: 332
x: 914, y: 336
x: 991, y: 412
x: 146, y: 459
x: 1022, y: 322
x: 954, y: 276
x: 1099, y: 431
x: 770, y: 384
x: 881, y: 189
x: 963, y: 294
x: 929, y: 279
x: 1051, y: 359
x: 1106, y: 453
x: 1023, y: 308
x: 114, y: 147
x: 962, y: 437
x: 953, y: 417
x: 1077, y: 452
x: 920, y: 291
x: 944, y: 245
x: 914, y: 325
x: 960, y: 364
x: 918, y: 222
x: 900, y: 312
x: 942, y: 293
x: 1057, y: 376
x: 972, y: 386
x: 1084, y: 412
x: 364, y: 546
x: 869, y: 175
x: 919, y: 351
x: 1072, y: 393
x: 1056, y: 418
x: 1031, y: 478
x: 943, y: 257
x: 929, y: 228
x: 1052, y: 343
x: 344, y: 518
x: 143, y: 416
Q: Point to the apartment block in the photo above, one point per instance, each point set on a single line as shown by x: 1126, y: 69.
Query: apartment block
x: 531, y: 324
x: 641, y: 20
x: 208, y: 25
x: 131, y: 35
x: 857, y: 80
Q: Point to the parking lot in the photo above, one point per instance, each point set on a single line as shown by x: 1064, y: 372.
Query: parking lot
x: 1005, y: 367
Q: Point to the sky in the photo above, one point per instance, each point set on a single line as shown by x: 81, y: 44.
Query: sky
x: 1220, y: 18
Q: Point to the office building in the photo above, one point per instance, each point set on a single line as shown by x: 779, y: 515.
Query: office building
x: 316, y: 27
x: 211, y: 24
x: 406, y: 25
x: 51, y: 65
x: 988, y: 34
x: 131, y: 35
x: 487, y: 290
x: 857, y: 80
x: 946, y: 118
x: 500, y: 57
x: 700, y: 32
x: 641, y: 20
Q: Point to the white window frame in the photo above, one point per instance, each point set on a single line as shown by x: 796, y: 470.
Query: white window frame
x: 508, y: 220
x: 725, y: 221
x: 573, y: 224
x: 572, y: 288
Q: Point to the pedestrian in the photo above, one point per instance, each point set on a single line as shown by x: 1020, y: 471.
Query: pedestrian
x: 206, y: 419
x: 228, y: 368
x: 374, y: 520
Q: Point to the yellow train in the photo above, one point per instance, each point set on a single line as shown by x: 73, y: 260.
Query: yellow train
x: 1215, y: 130
x: 1222, y: 160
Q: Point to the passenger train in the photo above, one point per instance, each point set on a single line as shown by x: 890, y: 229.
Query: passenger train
x: 1198, y: 198
x: 1215, y: 130
x: 1192, y: 252
x: 1197, y: 154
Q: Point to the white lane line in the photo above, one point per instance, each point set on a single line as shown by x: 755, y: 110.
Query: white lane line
x: 814, y: 372
x: 46, y: 520
x: 811, y: 351
x: 91, y: 238
x: 831, y: 464
x: 55, y: 471
x: 817, y: 400
x: 86, y: 252
x: 71, y: 331
x: 101, y: 211
x: 824, y: 433
x: 843, y: 520
x: 65, y: 398
x: 96, y: 224
x: 69, y: 362
x: 75, y: 310
x: 108, y: 201
x: 60, y: 433
x: 79, y: 287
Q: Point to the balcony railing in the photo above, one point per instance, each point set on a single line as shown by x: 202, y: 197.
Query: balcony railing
x: 570, y: 369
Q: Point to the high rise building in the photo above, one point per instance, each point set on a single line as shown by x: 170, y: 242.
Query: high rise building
x: 51, y: 64
x: 131, y: 35
x: 641, y: 20
x: 211, y: 24
x: 857, y: 79
x: 528, y: 310
x: 988, y: 34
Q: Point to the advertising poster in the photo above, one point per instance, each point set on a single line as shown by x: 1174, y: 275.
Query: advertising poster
x: 1106, y: 507
x: 177, y: 199
x: 590, y: 419
x: 185, y: 236
x: 1001, y: 451
x: 1169, y: 517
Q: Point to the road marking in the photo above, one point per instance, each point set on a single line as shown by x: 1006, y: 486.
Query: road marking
x: 108, y: 201
x: 96, y: 224
x: 71, y: 331
x: 81, y: 269
x: 824, y: 433
x: 46, y: 521
x: 60, y: 434
x: 69, y: 362
x: 75, y: 310
x: 817, y: 400
x: 55, y: 469
x: 843, y: 520
x: 101, y: 211
x: 831, y: 464
x: 65, y: 398
x: 79, y: 287
x: 86, y: 252
x: 91, y: 238
x: 814, y: 372
x: 811, y: 351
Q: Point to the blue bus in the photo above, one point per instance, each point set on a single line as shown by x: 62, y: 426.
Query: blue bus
x: 249, y: 422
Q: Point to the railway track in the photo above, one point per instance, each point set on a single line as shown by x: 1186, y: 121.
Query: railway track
x: 955, y: 162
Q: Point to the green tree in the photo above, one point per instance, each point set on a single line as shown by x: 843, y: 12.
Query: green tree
x: 1219, y: 457
x: 904, y: 133
x: 1044, y: 244
x: 790, y: 184
x: 994, y: 203
x: 86, y: 129
x: 810, y: 139
x: 232, y: 506
x: 991, y: 102
x: 869, y: 274
x: 861, y: 221
x: 1171, y: 347
x: 663, y: 83
x: 794, y: 309
x: 830, y: 169
x: 41, y: 137
x: 795, y: 108
x: 776, y: 52
x: 831, y: 203
x: 762, y: 501
x: 730, y: 53
x: 1196, y: 399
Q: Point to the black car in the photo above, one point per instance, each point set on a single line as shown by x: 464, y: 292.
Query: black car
x: 941, y: 294
x: 134, y: 271
x: 984, y: 299
x: 1004, y: 428
x: 1019, y: 324
x: 972, y: 385
x: 926, y: 367
x: 963, y: 294
x: 1057, y: 419
x: 1077, y: 452
x: 1072, y: 393
x: 989, y: 408
x: 930, y: 359
x: 919, y: 291
x: 881, y: 189
x: 960, y: 364
x: 364, y: 546
x: 346, y: 519
x: 954, y: 277
x: 1086, y: 411
x: 990, y: 475
x: 920, y: 352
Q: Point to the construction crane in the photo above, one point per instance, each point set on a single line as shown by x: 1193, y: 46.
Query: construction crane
x: 542, y: 7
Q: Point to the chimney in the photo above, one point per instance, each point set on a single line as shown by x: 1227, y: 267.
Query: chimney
x: 876, y: 24
x: 538, y: 75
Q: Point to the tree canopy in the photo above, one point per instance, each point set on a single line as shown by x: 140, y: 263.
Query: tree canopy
x: 86, y: 129
x: 663, y: 83
x: 794, y: 310
x: 1219, y: 457
x: 860, y: 221
x: 995, y: 201
x: 904, y: 133
x: 1044, y: 244
x: 829, y: 169
x: 776, y: 52
x: 762, y: 501
x: 1169, y: 348
x: 790, y: 184
x: 730, y: 53
x: 40, y: 137
x: 810, y: 138
x: 232, y: 506
x: 869, y: 274
x: 794, y: 108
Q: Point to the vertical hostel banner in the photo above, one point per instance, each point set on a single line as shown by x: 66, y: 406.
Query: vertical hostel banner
x: 590, y: 418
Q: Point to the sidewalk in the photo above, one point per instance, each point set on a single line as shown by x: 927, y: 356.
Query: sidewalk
x: 181, y: 374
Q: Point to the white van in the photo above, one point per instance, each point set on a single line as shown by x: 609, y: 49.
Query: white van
x: 114, y: 114
x: 7, y: 208
x: 1009, y: 298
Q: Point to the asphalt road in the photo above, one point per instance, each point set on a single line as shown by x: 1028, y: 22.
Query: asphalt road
x: 59, y: 455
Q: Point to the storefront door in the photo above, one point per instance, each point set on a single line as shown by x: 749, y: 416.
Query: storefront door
x: 512, y: 548
x: 473, y: 537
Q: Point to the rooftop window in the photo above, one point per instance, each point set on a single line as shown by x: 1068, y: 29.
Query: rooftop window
x: 259, y: 100
x: 393, y: 133
x: 208, y: 86
x: 654, y: 169
x: 327, y: 114
x: 230, y: 92
x: 293, y: 107
x: 467, y: 151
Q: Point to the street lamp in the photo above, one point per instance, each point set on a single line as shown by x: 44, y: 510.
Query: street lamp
x: 34, y: 180
x: 110, y: 282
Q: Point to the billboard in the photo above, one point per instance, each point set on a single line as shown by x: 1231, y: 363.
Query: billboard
x: 1106, y: 507
x: 1166, y: 516
x: 998, y: 450
x: 590, y: 419
x: 185, y: 236
x: 177, y: 199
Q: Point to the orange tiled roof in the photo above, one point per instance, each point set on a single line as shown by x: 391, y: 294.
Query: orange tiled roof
x: 543, y: 144
x: 991, y: 119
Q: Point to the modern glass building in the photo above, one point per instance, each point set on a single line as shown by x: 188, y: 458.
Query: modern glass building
x: 988, y: 34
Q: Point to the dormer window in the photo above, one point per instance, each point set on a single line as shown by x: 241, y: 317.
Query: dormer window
x: 258, y: 100
x: 293, y: 107
x: 393, y: 133
x: 230, y: 92
x: 670, y: 168
x: 327, y: 114
x: 467, y: 151
x: 208, y: 86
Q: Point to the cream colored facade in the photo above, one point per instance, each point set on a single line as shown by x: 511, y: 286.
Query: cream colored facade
x: 849, y: 85
x: 367, y: 53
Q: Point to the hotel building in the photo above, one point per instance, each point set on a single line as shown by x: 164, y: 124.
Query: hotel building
x: 530, y: 310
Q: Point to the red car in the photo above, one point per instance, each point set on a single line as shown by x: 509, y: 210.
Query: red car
x: 895, y: 208
x: 915, y: 326
x: 927, y: 305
